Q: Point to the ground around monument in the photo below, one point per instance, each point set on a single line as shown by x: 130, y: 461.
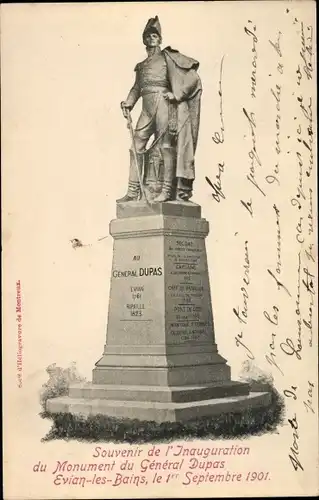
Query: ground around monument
x: 95, y: 428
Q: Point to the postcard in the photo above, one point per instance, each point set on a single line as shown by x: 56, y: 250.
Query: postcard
x: 159, y: 237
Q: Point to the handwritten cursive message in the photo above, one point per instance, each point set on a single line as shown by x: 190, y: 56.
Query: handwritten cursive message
x: 273, y: 307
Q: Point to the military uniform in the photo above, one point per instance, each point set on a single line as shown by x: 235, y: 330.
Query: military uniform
x: 166, y: 71
x: 151, y: 84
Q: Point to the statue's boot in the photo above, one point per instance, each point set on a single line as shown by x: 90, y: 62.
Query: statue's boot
x: 134, y: 188
x: 169, y: 166
x: 184, y: 189
x: 133, y: 193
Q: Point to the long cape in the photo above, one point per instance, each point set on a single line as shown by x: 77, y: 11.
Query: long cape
x: 187, y: 89
x: 186, y: 85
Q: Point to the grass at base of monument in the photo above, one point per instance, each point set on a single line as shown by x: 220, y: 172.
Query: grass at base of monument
x: 94, y: 428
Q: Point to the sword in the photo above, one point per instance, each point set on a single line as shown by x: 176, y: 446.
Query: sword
x: 128, y: 117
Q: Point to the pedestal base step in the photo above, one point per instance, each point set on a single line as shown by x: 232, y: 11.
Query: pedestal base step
x: 155, y: 411
x: 161, y: 394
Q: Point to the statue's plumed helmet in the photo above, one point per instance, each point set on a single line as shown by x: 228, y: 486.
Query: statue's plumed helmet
x: 152, y: 26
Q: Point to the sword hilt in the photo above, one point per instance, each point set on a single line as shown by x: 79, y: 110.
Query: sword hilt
x: 126, y: 113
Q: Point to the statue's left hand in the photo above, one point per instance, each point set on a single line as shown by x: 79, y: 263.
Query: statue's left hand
x: 169, y: 96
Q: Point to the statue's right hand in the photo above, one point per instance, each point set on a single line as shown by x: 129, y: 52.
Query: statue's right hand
x: 125, y: 108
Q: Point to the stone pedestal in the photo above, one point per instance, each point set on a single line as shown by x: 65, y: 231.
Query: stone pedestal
x: 160, y: 361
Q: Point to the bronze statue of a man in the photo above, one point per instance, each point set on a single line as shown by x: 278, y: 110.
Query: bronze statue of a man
x: 171, y: 91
